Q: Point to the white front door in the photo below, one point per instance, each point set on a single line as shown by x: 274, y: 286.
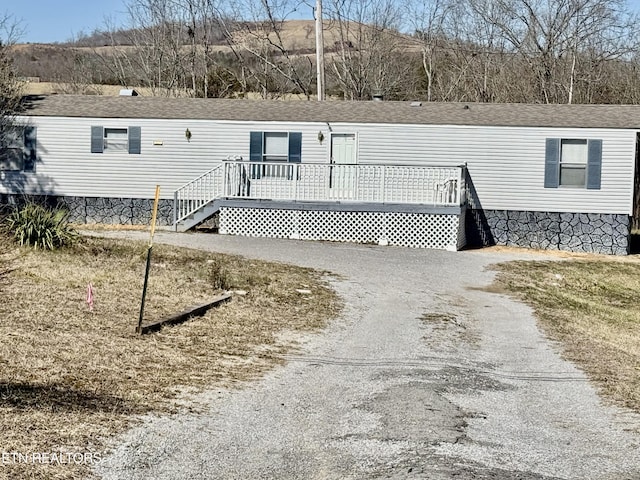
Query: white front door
x: 343, y: 178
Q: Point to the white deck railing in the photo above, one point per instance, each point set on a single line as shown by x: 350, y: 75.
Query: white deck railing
x: 198, y: 192
x: 437, y: 186
x: 440, y: 186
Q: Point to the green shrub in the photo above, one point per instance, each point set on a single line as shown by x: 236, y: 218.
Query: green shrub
x: 40, y: 227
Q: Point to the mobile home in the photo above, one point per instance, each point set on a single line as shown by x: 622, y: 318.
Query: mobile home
x: 439, y: 175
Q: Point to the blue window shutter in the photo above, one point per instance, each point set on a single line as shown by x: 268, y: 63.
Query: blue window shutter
x: 135, y: 140
x: 594, y: 164
x: 255, y: 153
x: 295, y: 147
x: 552, y: 163
x: 97, y: 139
x: 30, y: 149
x: 255, y: 147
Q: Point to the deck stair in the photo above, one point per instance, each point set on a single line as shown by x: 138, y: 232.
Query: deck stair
x: 198, y: 200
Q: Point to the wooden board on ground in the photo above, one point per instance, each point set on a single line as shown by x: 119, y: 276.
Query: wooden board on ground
x: 183, y: 316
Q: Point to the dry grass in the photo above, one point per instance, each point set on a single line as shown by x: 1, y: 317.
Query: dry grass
x: 592, y: 308
x: 71, y: 377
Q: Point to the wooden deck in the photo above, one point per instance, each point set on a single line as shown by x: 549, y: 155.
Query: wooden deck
x: 301, y: 182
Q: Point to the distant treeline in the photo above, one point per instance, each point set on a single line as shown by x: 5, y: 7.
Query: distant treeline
x: 537, y: 51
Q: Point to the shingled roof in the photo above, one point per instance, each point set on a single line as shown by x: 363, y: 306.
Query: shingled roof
x: 426, y: 113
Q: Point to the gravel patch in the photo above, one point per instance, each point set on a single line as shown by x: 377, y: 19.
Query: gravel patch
x: 423, y: 376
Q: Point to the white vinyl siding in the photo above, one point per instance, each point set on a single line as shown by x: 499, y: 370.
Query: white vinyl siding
x: 506, y: 164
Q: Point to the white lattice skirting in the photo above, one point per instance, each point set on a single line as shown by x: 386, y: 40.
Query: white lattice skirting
x: 418, y: 230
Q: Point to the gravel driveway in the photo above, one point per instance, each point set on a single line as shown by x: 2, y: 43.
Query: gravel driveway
x: 423, y: 376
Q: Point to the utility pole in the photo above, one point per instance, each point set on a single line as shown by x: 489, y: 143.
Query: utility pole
x: 319, y: 50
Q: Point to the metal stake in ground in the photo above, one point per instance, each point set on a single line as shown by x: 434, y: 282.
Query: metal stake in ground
x: 146, y: 271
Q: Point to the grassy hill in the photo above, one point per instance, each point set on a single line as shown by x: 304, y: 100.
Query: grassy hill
x: 86, y: 66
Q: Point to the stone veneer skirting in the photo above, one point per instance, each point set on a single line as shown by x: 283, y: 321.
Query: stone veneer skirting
x: 122, y: 211
x: 575, y: 232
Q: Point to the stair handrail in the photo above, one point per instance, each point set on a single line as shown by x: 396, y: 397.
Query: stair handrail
x: 193, y: 195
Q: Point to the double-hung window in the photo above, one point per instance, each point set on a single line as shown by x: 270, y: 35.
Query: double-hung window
x: 573, y: 162
x: 275, y: 150
x: 18, y: 148
x: 276, y: 147
x: 115, y: 140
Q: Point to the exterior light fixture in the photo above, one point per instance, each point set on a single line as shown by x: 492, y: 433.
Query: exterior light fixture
x: 187, y: 135
x: 320, y: 136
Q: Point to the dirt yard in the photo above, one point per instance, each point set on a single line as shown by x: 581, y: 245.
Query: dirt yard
x: 72, y: 377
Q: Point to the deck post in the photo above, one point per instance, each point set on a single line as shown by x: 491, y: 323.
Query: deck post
x: 210, y: 186
x: 225, y: 179
x: 329, y: 183
x: 175, y: 211
x: 461, y: 183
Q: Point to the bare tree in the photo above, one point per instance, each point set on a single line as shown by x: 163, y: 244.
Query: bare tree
x: 256, y: 30
x: 10, y: 86
x: 203, y: 29
x: 203, y: 17
x: 368, y: 55
x: 150, y: 52
x: 551, y: 36
x: 429, y: 21
x: 77, y: 72
x: 482, y: 55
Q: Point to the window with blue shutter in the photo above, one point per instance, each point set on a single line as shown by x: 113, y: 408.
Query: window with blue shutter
x: 255, y: 153
x: 295, y: 152
x: 18, y: 149
x: 552, y: 163
x: 30, y: 149
x: 594, y: 164
x: 295, y: 147
x: 255, y: 147
x: 97, y: 139
x: 573, y: 162
x: 274, y: 148
x: 116, y: 139
x: 135, y: 140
